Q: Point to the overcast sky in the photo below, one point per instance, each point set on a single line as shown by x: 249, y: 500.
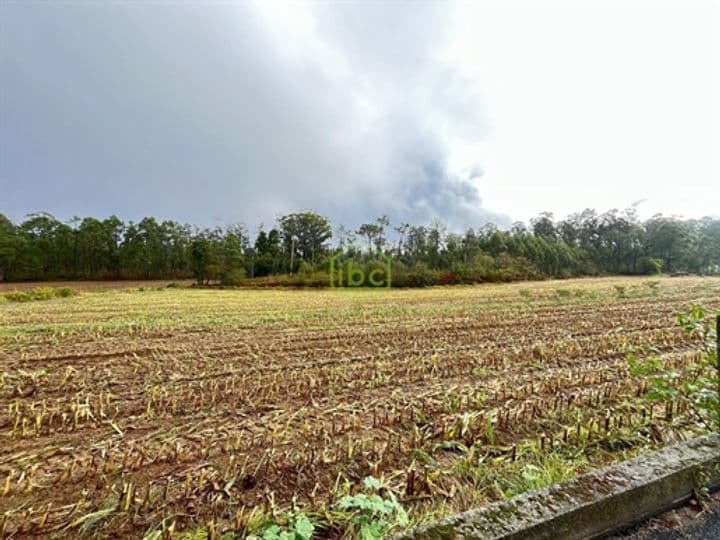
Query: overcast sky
x: 214, y: 113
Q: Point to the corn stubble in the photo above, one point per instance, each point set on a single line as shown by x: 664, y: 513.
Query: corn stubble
x: 157, y: 412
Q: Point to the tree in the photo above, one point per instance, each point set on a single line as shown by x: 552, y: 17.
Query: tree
x: 544, y: 226
x: 369, y: 231
x: 10, y: 247
x: 307, y: 233
x: 586, y: 243
x: 200, y: 258
x: 670, y: 240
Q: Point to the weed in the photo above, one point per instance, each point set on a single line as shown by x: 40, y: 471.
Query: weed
x: 563, y: 293
x: 373, y: 514
x: 295, y: 526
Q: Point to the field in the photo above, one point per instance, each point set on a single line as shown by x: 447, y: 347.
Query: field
x: 143, y: 412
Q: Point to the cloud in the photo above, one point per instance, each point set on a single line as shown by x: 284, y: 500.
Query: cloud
x: 237, y: 112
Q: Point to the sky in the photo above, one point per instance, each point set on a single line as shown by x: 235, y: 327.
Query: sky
x: 215, y: 113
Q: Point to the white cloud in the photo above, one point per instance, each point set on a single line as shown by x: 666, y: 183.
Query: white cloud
x: 464, y: 111
x: 596, y: 104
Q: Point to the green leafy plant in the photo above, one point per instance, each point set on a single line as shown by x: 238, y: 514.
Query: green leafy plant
x: 654, y: 287
x: 374, y: 514
x: 39, y: 293
x: 298, y: 527
x: 694, y: 384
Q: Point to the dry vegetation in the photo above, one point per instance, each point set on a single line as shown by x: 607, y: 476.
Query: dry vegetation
x: 212, y: 411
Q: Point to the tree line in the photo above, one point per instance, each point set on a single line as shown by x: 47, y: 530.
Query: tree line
x: 300, y: 245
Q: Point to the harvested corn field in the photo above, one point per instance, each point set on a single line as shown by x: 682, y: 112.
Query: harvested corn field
x: 198, y: 412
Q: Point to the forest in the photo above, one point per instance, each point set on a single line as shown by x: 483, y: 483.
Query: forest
x: 296, y: 250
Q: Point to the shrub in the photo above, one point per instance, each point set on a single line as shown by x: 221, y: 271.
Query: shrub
x: 422, y: 276
x: 305, y: 268
x: 18, y: 296
x: 65, y: 292
x: 312, y: 279
x: 650, y: 266
x: 38, y: 293
x: 374, y: 513
x: 42, y: 293
x: 653, y: 286
x: 449, y: 278
x: 233, y: 277
x: 480, y: 267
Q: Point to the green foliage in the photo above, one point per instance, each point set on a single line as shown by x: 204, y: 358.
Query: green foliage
x: 305, y: 268
x: 587, y: 243
x: 489, y: 431
x: 373, y: 514
x: 38, y: 293
x: 650, y: 266
x: 297, y: 527
x: 233, y: 277
x: 621, y: 291
x: 306, y: 234
x: 654, y: 287
x: 200, y: 259
x: 547, y: 470
x: 422, y: 276
x: 17, y: 296
x: 42, y: 293
x: 65, y: 292
x: 694, y: 384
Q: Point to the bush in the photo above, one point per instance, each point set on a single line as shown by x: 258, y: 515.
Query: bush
x: 654, y: 286
x: 39, y: 293
x: 449, y: 278
x: 650, y: 266
x: 233, y: 277
x: 17, y: 296
x: 312, y: 279
x: 422, y: 276
x: 479, y: 268
x: 42, y: 293
x: 305, y: 268
x: 65, y: 292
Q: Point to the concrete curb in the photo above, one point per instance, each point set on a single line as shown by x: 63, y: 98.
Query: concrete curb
x: 591, y: 505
